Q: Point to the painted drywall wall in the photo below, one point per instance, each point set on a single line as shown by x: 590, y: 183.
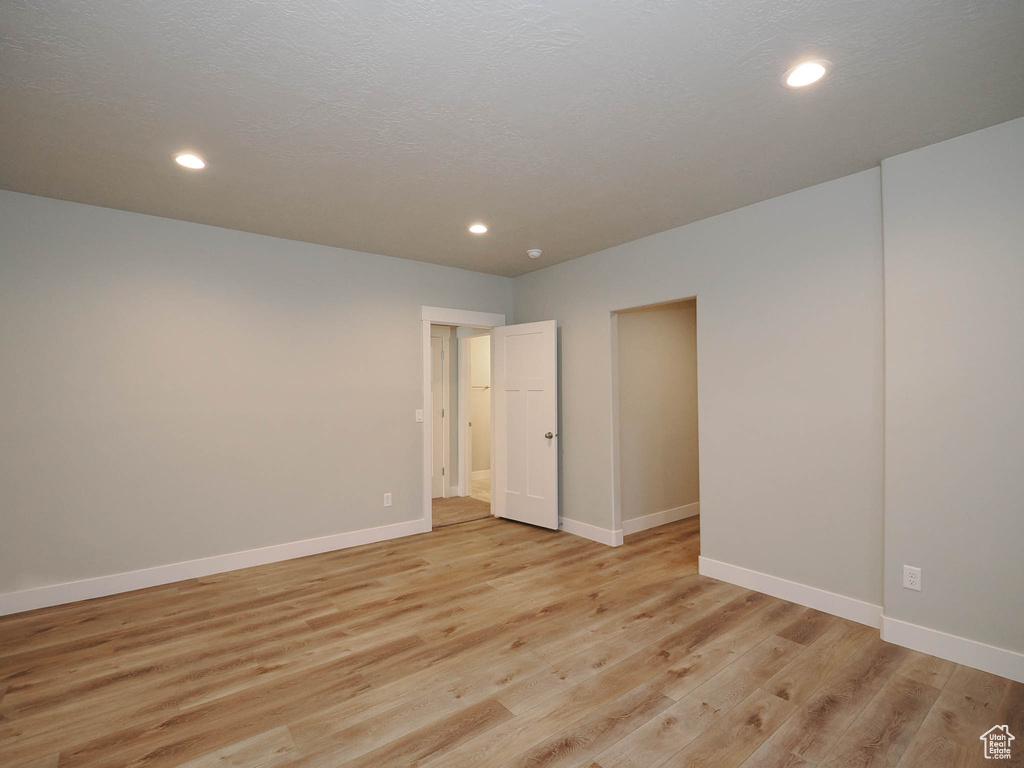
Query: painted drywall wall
x: 954, y: 303
x: 657, y: 394
x: 789, y: 343
x: 172, y: 391
x: 480, y: 399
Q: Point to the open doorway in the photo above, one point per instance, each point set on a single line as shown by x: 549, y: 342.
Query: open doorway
x: 524, y: 416
x: 657, y: 447
x: 461, y: 414
x: 478, y: 423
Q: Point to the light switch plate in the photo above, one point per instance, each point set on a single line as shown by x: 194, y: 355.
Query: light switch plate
x: 419, y: 417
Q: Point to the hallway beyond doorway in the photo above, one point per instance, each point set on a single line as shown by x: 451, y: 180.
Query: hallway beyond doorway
x: 481, y: 487
x: 459, y: 509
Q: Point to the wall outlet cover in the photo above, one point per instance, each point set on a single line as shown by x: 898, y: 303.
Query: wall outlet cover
x: 912, y: 577
x: 387, y: 499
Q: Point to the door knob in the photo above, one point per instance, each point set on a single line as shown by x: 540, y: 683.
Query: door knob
x: 548, y: 435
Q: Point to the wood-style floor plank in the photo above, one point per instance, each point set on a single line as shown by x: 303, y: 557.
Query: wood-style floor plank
x: 949, y: 735
x: 591, y: 734
x: 342, y: 742
x: 884, y: 729
x: 798, y: 680
x: 438, y: 737
x: 264, y: 750
x: 927, y: 669
x: 734, y: 738
x: 50, y: 761
x: 770, y: 756
x: 660, y: 738
x: 835, y: 705
x: 481, y: 644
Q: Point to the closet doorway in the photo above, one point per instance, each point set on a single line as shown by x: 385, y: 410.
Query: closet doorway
x: 656, y: 416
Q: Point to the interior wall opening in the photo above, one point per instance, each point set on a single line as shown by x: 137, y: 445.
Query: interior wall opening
x: 479, y: 422
x: 461, y: 439
x: 658, y: 457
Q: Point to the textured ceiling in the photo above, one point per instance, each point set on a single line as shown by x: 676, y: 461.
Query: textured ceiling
x: 389, y: 126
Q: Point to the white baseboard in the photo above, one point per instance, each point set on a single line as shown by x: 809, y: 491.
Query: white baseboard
x: 481, y: 474
x: 638, y: 524
x: 592, y: 532
x: 73, y: 591
x: 971, y: 653
x: 812, y: 597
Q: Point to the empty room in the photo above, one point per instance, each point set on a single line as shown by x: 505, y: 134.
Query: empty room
x: 497, y: 384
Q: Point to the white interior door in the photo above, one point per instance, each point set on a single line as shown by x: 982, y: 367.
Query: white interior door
x: 437, y: 415
x: 525, y: 387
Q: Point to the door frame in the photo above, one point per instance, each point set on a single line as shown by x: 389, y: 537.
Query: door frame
x: 465, y: 432
x: 464, y: 334
x: 613, y: 326
x: 454, y: 317
x: 446, y: 408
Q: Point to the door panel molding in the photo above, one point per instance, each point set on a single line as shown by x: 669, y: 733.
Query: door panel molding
x: 524, y: 380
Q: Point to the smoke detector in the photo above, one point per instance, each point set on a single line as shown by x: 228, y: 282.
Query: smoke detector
x: 534, y: 253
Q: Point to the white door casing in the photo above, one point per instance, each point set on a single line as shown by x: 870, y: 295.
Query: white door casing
x: 524, y: 382
x: 466, y: 391
x: 465, y: 450
x: 437, y: 411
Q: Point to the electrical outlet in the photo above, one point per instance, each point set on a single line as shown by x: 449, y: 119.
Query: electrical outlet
x: 387, y: 499
x: 912, y: 577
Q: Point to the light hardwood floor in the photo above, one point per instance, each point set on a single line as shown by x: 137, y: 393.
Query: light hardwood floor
x: 483, y: 644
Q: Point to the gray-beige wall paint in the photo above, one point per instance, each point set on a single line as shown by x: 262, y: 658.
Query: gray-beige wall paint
x: 657, y: 393
x: 954, y: 331
x: 789, y: 344
x: 172, y: 391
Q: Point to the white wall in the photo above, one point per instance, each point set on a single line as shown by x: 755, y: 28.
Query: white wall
x: 172, y: 391
x: 789, y: 340
x: 954, y: 292
x: 657, y: 407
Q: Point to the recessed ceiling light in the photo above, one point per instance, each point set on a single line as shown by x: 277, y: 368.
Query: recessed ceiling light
x: 478, y: 229
x: 189, y: 160
x: 806, y: 73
